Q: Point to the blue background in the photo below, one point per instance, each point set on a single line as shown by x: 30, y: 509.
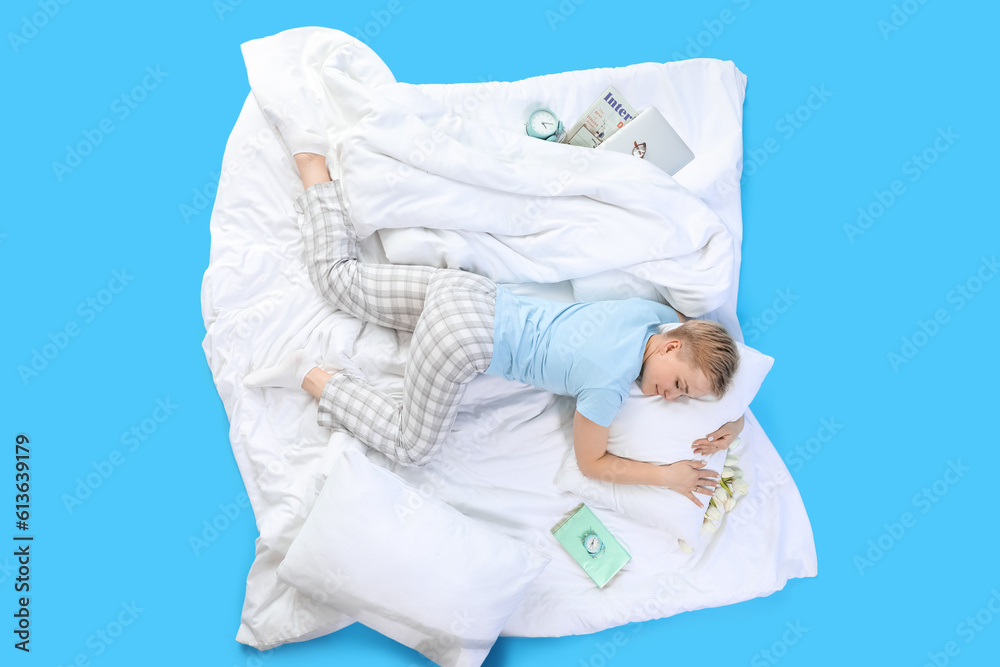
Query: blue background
x: 853, y: 301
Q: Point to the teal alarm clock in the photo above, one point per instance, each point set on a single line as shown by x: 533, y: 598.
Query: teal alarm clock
x: 593, y: 544
x: 543, y: 124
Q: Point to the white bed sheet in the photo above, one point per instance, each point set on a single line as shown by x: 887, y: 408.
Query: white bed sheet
x: 509, y: 439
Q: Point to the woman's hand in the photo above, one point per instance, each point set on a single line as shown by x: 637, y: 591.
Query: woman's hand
x: 688, y: 478
x: 720, y: 439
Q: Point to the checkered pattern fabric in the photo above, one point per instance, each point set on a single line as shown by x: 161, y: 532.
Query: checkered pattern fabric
x: 450, y: 313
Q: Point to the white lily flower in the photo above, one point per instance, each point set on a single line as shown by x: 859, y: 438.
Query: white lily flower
x: 729, y: 504
x: 713, y: 514
x: 731, y: 460
x: 740, y: 486
x: 708, y: 527
x: 720, y: 495
x: 685, y: 547
x: 727, y: 473
x: 739, y: 473
x: 736, y: 443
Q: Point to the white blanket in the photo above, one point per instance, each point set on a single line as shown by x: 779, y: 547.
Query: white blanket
x: 444, y: 175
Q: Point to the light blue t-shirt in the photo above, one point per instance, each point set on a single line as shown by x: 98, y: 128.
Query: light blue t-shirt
x: 589, y: 350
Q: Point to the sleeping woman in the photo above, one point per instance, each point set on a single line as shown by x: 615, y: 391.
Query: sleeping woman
x: 464, y: 324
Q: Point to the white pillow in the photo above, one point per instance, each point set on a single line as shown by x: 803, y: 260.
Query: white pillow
x: 409, y: 566
x: 651, y: 429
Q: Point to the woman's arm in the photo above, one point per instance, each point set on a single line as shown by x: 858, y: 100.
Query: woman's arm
x: 590, y: 444
x: 590, y: 441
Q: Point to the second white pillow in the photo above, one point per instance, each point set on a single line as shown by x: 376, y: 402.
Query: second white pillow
x: 411, y: 567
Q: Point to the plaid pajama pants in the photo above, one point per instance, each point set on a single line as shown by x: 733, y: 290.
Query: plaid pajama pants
x: 450, y: 313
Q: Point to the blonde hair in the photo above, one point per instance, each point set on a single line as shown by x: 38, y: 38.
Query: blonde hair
x: 709, y: 346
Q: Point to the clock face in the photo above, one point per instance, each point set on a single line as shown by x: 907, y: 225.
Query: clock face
x: 543, y: 123
x: 593, y: 544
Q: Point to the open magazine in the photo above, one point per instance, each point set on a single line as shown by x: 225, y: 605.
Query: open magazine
x: 606, y: 115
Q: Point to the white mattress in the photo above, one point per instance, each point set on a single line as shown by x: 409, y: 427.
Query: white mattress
x: 509, y: 439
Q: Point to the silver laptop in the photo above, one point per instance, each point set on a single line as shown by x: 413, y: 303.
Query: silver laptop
x: 649, y: 136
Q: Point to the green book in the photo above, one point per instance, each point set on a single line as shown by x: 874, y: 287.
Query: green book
x: 591, y: 544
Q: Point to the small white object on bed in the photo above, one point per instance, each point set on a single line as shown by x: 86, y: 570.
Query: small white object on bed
x: 509, y: 440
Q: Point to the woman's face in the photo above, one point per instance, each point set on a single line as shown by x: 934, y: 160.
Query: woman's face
x: 666, y: 374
